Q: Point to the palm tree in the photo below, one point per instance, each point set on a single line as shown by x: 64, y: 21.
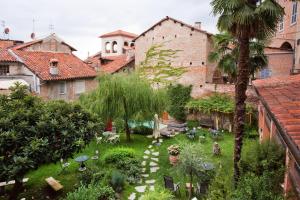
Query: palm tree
x: 245, y: 20
x: 226, y: 53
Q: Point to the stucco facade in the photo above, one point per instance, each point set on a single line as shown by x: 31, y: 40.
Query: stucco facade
x: 193, y: 43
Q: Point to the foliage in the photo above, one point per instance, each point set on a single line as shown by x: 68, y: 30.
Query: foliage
x: 265, y: 157
x: 92, y: 192
x: 217, y: 103
x: 117, y: 181
x: 125, y: 97
x: 33, y: 132
x: 116, y: 154
x: 256, y: 187
x: 174, y: 150
x: 226, y: 53
x: 220, y: 187
x: 143, y: 130
x: 191, y: 162
x: 158, y: 194
x: 192, y: 123
x: 86, y: 177
x: 179, y: 95
x: 157, y: 66
x: 131, y: 167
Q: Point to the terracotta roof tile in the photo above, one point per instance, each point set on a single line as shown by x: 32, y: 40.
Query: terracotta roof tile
x: 282, y: 94
x: 6, y: 56
x: 69, y: 66
x: 117, y: 63
x: 119, y: 33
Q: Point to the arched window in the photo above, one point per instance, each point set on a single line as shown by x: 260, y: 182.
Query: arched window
x: 125, y: 44
x: 114, y: 47
x: 132, y: 44
x: 286, y: 46
x: 107, y: 47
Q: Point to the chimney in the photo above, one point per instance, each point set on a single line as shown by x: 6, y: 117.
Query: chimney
x: 53, y: 66
x: 197, y: 25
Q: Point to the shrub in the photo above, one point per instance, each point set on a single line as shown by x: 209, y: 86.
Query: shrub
x: 92, y: 192
x: 192, y: 123
x: 119, y: 153
x: 131, y: 167
x: 117, y: 181
x: 142, y: 130
x: 86, y: 177
x: 256, y: 187
x: 158, y: 194
x: 179, y: 95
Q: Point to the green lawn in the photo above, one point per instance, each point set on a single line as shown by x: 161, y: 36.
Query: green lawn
x: 38, y: 189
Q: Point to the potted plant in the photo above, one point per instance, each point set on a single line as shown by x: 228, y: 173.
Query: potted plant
x: 174, y: 152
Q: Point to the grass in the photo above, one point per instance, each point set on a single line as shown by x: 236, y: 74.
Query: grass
x: 38, y: 189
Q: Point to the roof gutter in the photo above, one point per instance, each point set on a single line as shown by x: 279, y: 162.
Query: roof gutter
x: 283, y: 134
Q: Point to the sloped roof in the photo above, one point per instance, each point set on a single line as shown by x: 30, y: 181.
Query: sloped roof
x: 119, y: 33
x: 27, y: 44
x: 7, y: 56
x: 116, y: 63
x: 176, y: 21
x: 69, y: 66
x: 282, y: 96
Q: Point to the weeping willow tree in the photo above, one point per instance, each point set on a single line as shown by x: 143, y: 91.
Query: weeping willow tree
x: 157, y: 66
x: 125, y: 97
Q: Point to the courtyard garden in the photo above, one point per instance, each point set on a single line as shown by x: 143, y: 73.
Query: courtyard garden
x: 70, y: 178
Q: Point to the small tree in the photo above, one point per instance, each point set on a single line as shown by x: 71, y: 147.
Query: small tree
x: 179, y: 95
x: 191, y: 164
x: 126, y: 97
x: 33, y: 133
x: 157, y: 66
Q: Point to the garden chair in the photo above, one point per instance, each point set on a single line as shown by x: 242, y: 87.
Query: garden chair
x: 169, y: 184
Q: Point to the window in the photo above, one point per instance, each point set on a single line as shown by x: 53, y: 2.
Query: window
x: 4, y: 70
x: 107, y: 47
x: 79, y: 86
x: 294, y: 12
x: 62, y: 87
x: 114, y: 47
x: 281, y: 24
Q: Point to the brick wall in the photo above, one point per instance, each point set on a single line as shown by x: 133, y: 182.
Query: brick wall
x: 194, y: 48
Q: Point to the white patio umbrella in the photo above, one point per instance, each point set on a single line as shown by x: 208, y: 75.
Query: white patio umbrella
x: 156, y: 133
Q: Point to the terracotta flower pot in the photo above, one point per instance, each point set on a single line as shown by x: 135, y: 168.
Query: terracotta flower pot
x: 173, y: 159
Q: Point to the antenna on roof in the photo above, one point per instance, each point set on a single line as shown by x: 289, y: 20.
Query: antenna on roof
x: 51, y: 28
x: 32, y: 35
x: 5, y: 30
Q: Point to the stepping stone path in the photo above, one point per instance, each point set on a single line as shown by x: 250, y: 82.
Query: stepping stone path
x: 150, y: 165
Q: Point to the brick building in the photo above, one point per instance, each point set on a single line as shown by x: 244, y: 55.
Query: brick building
x: 193, y: 42
x: 284, y: 51
x: 47, y: 66
x: 279, y: 119
x: 117, y: 53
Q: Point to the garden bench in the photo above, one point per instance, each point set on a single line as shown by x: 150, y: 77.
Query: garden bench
x: 54, y: 184
x: 114, y: 139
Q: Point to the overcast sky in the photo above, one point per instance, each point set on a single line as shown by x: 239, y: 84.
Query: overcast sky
x: 80, y: 22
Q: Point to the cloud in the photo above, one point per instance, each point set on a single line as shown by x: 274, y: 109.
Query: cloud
x: 80, y: 22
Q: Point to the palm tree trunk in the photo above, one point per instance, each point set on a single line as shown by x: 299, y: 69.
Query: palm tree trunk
x: 240, y: 97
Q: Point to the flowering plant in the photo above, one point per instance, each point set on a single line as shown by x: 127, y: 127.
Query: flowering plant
x: 174, y: 150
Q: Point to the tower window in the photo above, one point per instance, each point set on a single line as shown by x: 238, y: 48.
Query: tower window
x: 114, y: 47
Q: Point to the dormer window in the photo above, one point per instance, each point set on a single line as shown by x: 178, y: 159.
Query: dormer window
x: 53, y: 66
x: 53, y: 63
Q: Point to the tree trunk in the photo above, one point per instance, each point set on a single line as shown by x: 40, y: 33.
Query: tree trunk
x: 240, y: 97
x: 127, y: 130
x: 17, y: 188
